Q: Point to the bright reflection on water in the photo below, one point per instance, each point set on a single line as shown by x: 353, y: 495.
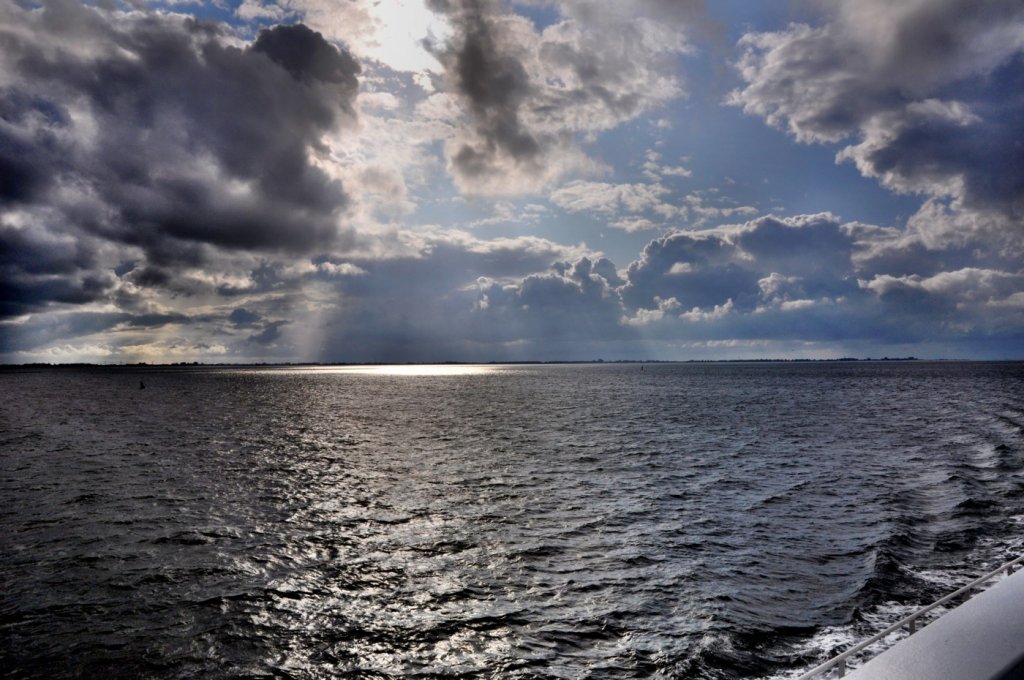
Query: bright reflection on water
x: 432, y: 370
x: 602, y: 522
x: 417, y: 370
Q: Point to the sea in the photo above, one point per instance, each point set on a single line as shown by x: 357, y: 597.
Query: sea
x: 692, y: 520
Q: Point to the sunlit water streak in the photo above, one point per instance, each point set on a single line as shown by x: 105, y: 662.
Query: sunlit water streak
x: 711, y: 521
x: 418, y: 370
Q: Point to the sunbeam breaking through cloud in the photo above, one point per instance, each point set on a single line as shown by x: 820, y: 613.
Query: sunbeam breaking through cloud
x: 479, y: 180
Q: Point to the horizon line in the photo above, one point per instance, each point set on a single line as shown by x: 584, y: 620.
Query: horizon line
x: 599, y: 361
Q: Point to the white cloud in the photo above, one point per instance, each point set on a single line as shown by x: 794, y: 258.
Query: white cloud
x: 793, y: 305
x: 681, y: 268
x: 675, y: 171
x: 714, y: 314
x: 970, y: 283
x: 609, y: 199
x: 774, y: 284
x: 923, y: 87
x: 341, y: 269
x: 253, y: 9
x: 708, y: 207
x: 1014, y: 300
x: 355, y: 269
x: 529, y: 94
x: 654, y: 171
x: 644, y: 317
x: 634, y: 224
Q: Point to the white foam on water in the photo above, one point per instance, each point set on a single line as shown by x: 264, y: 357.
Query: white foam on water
x: 831, y: 641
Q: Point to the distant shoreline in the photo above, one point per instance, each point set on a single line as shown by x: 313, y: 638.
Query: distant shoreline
x: 147, y: 365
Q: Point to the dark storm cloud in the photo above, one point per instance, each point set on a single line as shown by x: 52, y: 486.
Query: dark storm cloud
x: 23, y: 294
x: 698, y: 270
x: 265, y: 332
x: 530, y: 93
x: 307, y: 56
x: 495, y: 85
x: 270, y: 333
x: 22, y: 157
x: 37, y: 267
x: 932, y: 90
x: 790, y: 263
x: 814, y: 247
x: 979, y: 147
x: 576, y: 303
x: 43, y: 329
x: 242, y: 317
x: 157, y: 133
x: 35, y: 255
x: 871, y: 56
x: 811, y: 278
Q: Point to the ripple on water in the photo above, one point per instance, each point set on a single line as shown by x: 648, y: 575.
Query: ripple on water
x: 712, y: 521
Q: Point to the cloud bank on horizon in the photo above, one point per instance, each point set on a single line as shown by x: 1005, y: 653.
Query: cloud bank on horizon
x: 478, y: 180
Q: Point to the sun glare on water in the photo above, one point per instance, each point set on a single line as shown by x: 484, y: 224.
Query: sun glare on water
x: 408, y: 370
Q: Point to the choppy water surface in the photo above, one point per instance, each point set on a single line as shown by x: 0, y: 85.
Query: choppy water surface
x: 705, y: 521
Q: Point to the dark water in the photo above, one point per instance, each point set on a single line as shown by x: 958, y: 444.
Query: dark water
x: 704, y: 521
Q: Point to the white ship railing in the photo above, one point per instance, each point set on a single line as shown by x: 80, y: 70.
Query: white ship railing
x: 911, y: 622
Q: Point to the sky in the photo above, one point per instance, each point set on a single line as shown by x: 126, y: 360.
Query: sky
x: 486, y: 180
